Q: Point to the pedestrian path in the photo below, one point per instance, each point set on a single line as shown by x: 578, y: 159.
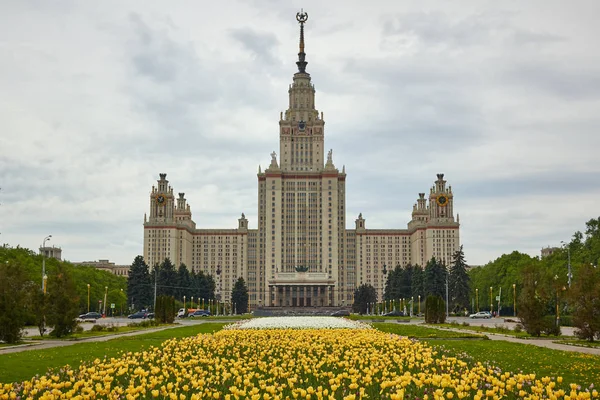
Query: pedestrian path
x: 47, y: 344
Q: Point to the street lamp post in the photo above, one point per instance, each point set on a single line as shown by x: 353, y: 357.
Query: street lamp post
x: 514, y: 299
x: 105, y: 295
x: 88, y: 297
x: 184, y: 302
x: 122, y: 302
x: 44, y: 262
x: 491, y: 302
x: 569, y: 275
x: 419, y: 305
x: 192, y: 302
x: 477, y: 299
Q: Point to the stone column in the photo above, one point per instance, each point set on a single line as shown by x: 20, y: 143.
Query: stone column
x: 276, y: 295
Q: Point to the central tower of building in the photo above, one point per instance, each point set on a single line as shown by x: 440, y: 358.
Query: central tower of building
x: 301, y: 198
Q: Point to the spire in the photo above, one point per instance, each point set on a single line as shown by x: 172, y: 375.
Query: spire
x: 301, y: 17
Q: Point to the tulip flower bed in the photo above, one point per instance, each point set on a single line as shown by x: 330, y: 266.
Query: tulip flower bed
x: 306, y: 363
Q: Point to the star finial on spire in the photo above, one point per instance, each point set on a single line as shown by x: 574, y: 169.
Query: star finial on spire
x: 301, y: 17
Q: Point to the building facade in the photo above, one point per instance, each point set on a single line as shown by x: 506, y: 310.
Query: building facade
x: 301, y: 253
x: 106, y: 265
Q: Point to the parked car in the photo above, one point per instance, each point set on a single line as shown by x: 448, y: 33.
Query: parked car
x: 90, y: 316
x: 481, y: 314
x: 138, y: 315
x: 340, y: 313
x: 149, y: 316
x: 200, y: 313
x: 181, y: 313
x: 394, y: 313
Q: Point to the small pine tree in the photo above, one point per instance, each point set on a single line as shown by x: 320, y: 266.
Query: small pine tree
x: 139, y: 286
x: 165, y: 309
x: 459, y: 282
x: 239, y: 296
x: 435, y: 310
x: 364, y: 294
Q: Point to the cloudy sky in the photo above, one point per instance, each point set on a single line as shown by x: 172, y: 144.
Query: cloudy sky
x: 98, y: 98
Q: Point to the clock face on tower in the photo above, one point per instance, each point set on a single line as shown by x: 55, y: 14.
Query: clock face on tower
x: 160, y: 199
x: 442, y: 200
x: 301, y: 125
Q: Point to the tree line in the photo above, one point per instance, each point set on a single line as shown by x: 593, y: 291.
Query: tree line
x: 415, y: 282
x: 23, y: 302
x: 166, y: 280
x: 541, y: 294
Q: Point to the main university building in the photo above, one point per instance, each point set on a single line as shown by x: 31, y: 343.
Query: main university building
x: 302, y: 254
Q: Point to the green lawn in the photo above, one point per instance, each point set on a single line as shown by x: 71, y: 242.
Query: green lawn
x: 23, y: 365
x: 356, y: 317
x: 497, y: 329
x: 90, y: 333
x: 578, y: 342
x: 583, y: 369
x: 422, y: 332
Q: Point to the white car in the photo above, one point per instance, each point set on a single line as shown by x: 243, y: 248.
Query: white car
x: 181, y: 313
x: 481, y: 314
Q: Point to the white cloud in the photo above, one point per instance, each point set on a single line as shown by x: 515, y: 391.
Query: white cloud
x: 98, y: 98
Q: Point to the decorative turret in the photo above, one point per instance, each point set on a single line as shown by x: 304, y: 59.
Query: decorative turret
x: 441, y: 201
x: 360, y: 223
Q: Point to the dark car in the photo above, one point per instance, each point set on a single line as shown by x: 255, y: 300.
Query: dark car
x: 340, y: 313
x: 89, y: 316
x: 138, y: 315
x: 200, y: 313
x: 394, y: 313
x: 149, y: 316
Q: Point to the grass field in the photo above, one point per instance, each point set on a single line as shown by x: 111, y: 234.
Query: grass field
x: 573, y: 367
x: 23, y: 365
x: 422, y: 332
x: 583, y: 369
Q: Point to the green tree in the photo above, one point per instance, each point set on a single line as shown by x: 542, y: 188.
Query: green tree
x: 393, y: 283
x: 62, y: 302
x: 184, y: 282
x: 139, y: 287
x: 532, y: 302
x: 204, y: 285
x: 585, y: 300
x: 417, y: 282
x: 364, y: 294
x: 435, y: 310
x: 434, y: 281
x: 166, y: 278
x: 459, y: 282
x: 239, y: 296
x: 13, y: 310
x: 166, y: 309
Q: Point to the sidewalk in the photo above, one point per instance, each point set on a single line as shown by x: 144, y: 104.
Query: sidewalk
x: 47, y: 344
